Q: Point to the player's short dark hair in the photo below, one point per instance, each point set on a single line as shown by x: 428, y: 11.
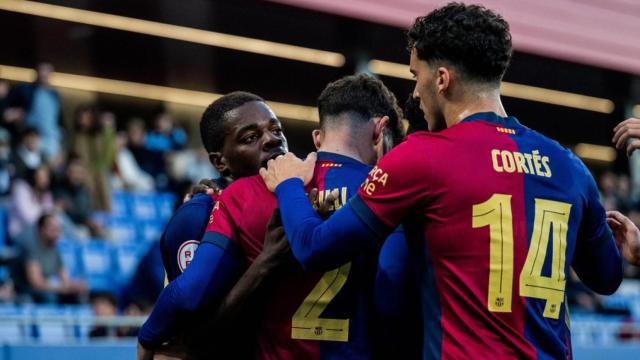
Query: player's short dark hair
x: 212, y: 123
x: 473, y: 39
x: 364, y: 96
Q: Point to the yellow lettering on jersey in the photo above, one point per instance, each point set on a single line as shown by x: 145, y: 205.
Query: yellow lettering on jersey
x: 534, y: 163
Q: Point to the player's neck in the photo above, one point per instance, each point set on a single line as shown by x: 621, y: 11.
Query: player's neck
x: 343, y: 148
x: 478, y: 102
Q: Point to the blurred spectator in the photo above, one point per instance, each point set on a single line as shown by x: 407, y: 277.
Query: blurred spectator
x: 7, y: 169
x: 72, y: 195
x: 191, y: 166
x: 127, y: 174
x: 94, y: 141
x: 30, y: 198
x: 414, y: 115
x: 104, y: 305
x: 28, y: 154
x: 37, y: 105
x: 47, y: 278
x: 163, y: 139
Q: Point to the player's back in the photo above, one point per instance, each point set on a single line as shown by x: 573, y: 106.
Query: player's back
x: 500, y: 217
x: 308, y: 315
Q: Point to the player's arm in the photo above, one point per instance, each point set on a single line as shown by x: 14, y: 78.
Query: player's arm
x: 203, y: 282
x: 215, y: 265
x: 393, y: 277
x: 391, y: 189
x: 395, y: 299
x: 275, y: 252
x: 597, y: 260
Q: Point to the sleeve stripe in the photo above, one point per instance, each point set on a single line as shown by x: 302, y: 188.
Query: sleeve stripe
x: 224, y: 243
x: 368, y: 217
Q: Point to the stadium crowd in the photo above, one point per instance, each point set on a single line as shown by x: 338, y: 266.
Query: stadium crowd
x: 63, y: 186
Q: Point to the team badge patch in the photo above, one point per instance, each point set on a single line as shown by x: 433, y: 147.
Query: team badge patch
x: 186, y: 252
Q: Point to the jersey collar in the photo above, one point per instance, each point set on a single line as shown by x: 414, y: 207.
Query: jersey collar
x: 330, y: 156
x: 492, y: 117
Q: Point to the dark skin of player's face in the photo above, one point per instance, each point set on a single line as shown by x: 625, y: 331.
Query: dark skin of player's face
x: 253, y: 135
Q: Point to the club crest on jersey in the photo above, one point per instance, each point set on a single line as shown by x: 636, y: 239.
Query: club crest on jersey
x: 186, y: 252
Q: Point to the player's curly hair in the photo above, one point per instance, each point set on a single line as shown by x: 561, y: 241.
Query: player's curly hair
x: 365, y: 96
x: 471, y: 38
x: 212, y: 129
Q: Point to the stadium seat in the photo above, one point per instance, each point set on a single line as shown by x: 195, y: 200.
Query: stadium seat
x: 127, y: 257
x: 97, y: 265
x: 150, y: 230
x: 144, y: 206
x: 69, y: 252
x: 121, y: 204
x: 11, y: 329
x: 50, y: 324
x: 81, y: 314
x: 122, y: 230
x: 165, y: 204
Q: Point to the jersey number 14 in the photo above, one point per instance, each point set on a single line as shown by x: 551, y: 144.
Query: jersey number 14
x: 551, y: 218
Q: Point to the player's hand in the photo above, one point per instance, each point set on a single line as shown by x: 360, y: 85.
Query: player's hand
x: 627, y: 236
x: 327, y: 205
x: 204, y: 186
x: 628, y: 129
x: 276, y: 246
x: 144, y: 354
x: 288, y: 166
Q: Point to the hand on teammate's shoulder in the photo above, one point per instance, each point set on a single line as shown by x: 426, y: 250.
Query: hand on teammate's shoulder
x: 204, y: 186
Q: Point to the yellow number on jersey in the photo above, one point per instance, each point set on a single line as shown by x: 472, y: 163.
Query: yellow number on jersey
x: 551, y: 218
x: 496, y: 213
x: 307, y: 324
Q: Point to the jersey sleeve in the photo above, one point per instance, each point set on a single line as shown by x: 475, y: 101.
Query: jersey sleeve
x: 597, y: 260
x: 187, y: 223
x: 394, y: 187
x: 203, y: 282
x: 320, y: 245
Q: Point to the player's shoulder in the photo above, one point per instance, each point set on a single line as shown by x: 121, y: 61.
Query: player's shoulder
x: 242, y: 188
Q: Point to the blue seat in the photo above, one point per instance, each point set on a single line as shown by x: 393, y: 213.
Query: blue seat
x: 121, y: 204
x: 70, y: 257
x: 150, y: 230
x: 11, y: 328
x: 144, y: 206
x: 165, y: 204
x: 52, y: 324
x: 97, y: 264
x: 126, y: 257
x: 122, y: 230
x: 81, y: 314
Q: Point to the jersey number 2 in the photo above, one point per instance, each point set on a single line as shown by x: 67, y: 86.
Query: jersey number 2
x: 307, y: 324
x: 551, y: 220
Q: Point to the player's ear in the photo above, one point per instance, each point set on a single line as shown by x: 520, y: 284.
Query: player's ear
x: 218, y: 161
x: 378, y: 130
x: 317, y: 136
x: 443, y: 79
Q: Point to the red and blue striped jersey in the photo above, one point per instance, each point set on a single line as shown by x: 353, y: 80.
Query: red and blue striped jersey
x: 499, y: 213
x: 310, y: 314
